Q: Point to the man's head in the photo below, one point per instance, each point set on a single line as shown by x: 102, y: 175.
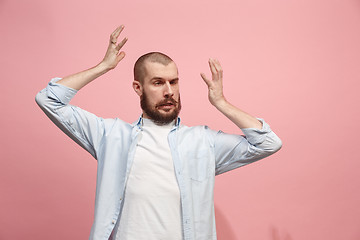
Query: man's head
x: 156, y: 82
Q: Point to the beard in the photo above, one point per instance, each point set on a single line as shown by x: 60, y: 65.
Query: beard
x: 154, y: 114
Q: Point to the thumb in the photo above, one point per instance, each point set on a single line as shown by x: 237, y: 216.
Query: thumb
x: 206, y: 80
x: 120, y: 56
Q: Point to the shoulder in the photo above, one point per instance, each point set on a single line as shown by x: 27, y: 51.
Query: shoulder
x: 195, y: 129
x: 196, y: 133
x: 116, y: 124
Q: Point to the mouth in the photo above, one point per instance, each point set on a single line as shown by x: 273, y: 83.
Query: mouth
x: 166, y: 105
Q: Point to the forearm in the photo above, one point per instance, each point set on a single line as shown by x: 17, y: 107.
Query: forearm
x: 217, y: 99
x: 79, y: 80
x: 236, y: 115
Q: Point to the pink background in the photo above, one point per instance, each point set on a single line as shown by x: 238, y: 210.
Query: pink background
x: 293, y: 63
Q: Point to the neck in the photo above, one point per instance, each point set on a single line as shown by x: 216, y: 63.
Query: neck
x: 150, y: 122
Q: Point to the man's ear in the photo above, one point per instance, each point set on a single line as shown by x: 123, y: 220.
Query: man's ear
x: 138, y: 88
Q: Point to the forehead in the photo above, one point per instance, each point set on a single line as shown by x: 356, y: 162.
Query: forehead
x: 158, y: 70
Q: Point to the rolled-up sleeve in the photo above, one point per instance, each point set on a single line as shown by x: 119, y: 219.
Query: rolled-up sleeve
x: 83, y: 127
x: 233, y: 151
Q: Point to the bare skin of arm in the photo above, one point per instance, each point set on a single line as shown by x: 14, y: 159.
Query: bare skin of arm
x: 112, y: 57
x: 217, y: 99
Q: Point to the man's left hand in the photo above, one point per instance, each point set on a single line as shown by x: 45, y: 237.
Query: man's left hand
x: 215, y: 85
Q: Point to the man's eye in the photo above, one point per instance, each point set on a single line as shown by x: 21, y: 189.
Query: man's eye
x: 157, y: 83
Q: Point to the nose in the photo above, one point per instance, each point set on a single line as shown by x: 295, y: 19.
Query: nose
x: 168, y: 91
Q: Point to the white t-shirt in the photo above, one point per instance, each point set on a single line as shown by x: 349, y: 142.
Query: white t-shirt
x: 151, y: 208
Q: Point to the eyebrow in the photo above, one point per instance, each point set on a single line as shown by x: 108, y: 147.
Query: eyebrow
x: 159, y: 78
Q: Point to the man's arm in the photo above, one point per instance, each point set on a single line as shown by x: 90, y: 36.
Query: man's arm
x: 112, y: 57
x: 83, y: 127
x: 217, y: 99
x: 233, y: 151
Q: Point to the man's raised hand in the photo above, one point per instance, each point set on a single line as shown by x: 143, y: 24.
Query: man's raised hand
x: 113, y: 54
x: 215, y: 85
x: 112, y: 57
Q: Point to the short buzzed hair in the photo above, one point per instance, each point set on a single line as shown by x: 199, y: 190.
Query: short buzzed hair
x: 139, y: 67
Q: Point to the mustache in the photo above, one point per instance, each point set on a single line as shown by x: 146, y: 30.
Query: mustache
x: 167, y: 101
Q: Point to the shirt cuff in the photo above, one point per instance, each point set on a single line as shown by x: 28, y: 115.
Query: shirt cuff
x: 257, y: 136
x: 60, y: 92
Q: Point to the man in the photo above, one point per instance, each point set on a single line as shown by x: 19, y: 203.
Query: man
x: 155, y: 178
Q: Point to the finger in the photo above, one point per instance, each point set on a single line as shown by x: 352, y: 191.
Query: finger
x: 121, y: 44
x: 116, y: 30
x: 119, y: 30
x: 218, y: 67
x: 114, y: 36
x: 206, y: 80
x: 212, y: 67
x: 120, y: 56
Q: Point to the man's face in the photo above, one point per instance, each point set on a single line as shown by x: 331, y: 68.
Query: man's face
x: 160, y: 98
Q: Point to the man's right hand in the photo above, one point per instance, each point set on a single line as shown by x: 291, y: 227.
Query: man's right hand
x: 113, y: 55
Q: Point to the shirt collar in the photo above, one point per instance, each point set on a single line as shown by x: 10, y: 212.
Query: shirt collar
x: 139, y: 121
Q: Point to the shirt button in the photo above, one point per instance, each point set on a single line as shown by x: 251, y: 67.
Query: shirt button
x: 120, y: 199
x: 113, y: 221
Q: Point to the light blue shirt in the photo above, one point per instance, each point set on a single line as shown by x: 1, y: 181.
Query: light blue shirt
x: 198, y: 153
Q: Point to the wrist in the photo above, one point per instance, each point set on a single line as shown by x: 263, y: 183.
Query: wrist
x: 102, y: 67
x: 219, y: 102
